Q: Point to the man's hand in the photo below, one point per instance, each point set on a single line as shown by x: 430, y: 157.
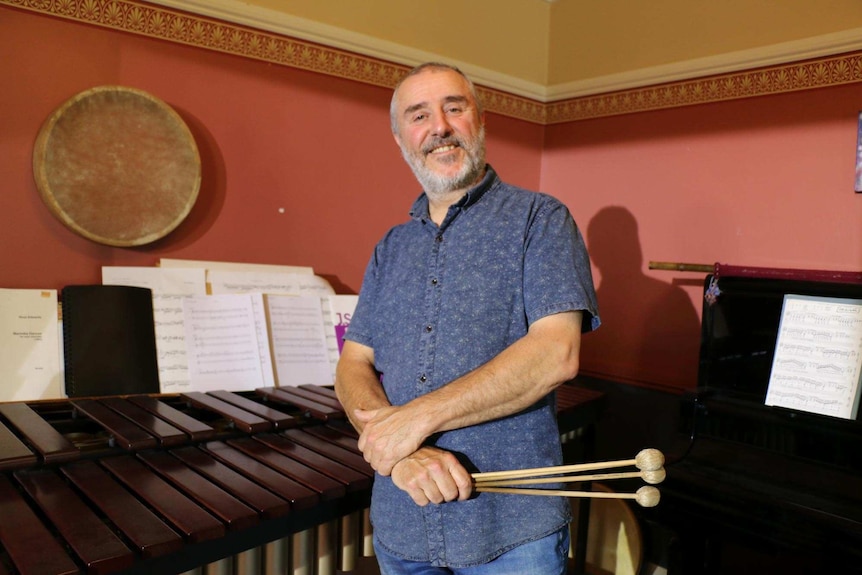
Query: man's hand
x: 389, y: 434
x: 431, y: 475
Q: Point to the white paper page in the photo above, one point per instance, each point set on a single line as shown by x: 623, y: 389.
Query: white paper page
x: 236, y: 266
x: 267, y: 366
x: 818, y: 356
x: 255, y: 282
x: 171, y: 342
x: 298, y: 340
x: 29, y: 345
x: 222, y: 344
x: 170, y: 287
x: 171, y: 281
x: 337, y: 310
x: 224, y: 281
x: 171, y: 346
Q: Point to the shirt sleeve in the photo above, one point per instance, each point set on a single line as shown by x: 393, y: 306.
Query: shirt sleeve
x: 557, y: 273
x: 360, y: 327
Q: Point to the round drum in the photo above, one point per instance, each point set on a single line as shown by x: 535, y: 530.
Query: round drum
x: 117, y: 166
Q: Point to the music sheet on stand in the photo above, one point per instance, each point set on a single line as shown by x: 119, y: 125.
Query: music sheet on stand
x: 222, y: 342
x: 816, y: 367
x: 299, y: 346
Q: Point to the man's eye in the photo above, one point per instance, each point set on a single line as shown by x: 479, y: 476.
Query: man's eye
x: 454, y: 110
x: 419, y: 117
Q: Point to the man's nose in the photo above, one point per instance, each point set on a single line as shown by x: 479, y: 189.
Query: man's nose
x: 440, y: 125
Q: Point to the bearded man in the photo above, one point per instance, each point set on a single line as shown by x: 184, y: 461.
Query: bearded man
x: 469, y: 316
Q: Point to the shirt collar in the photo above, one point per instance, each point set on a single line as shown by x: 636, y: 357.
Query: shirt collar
x: 419, y: 210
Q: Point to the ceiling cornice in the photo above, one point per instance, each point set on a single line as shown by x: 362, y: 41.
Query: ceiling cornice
x: 237, y: 28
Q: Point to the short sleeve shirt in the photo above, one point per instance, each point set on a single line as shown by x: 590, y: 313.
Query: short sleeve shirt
x: 439, y: 301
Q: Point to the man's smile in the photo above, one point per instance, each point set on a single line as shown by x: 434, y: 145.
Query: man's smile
x: 443, y: 149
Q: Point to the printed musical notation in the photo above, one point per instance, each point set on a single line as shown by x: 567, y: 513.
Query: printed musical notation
x: 222, y: 343
x: 227, y: 281
x: 298, y: 339
x: 818, y: 356
x: 171, y: 342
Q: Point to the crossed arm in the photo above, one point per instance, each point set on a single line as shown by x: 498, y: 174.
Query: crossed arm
x: 391, y: 437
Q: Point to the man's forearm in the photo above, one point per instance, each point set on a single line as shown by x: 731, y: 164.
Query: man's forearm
x: 358, y: 386
x: 514, y: 380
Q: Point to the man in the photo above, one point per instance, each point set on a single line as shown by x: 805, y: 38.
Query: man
x: 470, y: 314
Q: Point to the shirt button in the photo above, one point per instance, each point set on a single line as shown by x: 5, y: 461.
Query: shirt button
x: 428, y: 328
x: 434, y: 282
x: 422, y: 378
x: 439, y: 238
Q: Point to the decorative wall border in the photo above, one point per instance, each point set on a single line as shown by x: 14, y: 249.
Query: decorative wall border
x: 193, y: 30
x: 817, y: 73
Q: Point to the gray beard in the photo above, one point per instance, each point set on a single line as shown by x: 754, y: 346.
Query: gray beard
x: 471, y: 171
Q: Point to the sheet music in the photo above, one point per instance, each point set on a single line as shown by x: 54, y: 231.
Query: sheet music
x: 222, y: 343
x: 171, y: 343
x: 226, y: 281
x: 298, y: 340
x: 170, y: 287
x: 176, y: 338
x: 236, y: 266
x: 170, y: 281
x: 267, y: 366
x: 818, y: 356
x: 30, y: 345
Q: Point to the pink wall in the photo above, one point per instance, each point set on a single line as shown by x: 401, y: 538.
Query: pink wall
x: 760, y: 182
x: 765, y: 182
x: 270, y: 137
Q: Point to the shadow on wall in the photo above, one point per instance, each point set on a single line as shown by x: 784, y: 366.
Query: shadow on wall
x: 211, y: 196
x: 650, y: 332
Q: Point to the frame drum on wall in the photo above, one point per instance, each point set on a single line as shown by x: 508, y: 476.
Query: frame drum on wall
x: 117, y: 166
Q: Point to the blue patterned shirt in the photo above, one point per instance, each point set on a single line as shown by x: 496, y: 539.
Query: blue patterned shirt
x: 438, y: 302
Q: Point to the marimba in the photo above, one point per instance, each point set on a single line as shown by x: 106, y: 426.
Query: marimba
x: 218, y: 482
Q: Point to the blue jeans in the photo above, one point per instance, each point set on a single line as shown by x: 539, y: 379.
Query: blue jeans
x: 547, y: 556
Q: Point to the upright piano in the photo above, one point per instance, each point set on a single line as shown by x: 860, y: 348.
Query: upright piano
x: 755, y: 488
